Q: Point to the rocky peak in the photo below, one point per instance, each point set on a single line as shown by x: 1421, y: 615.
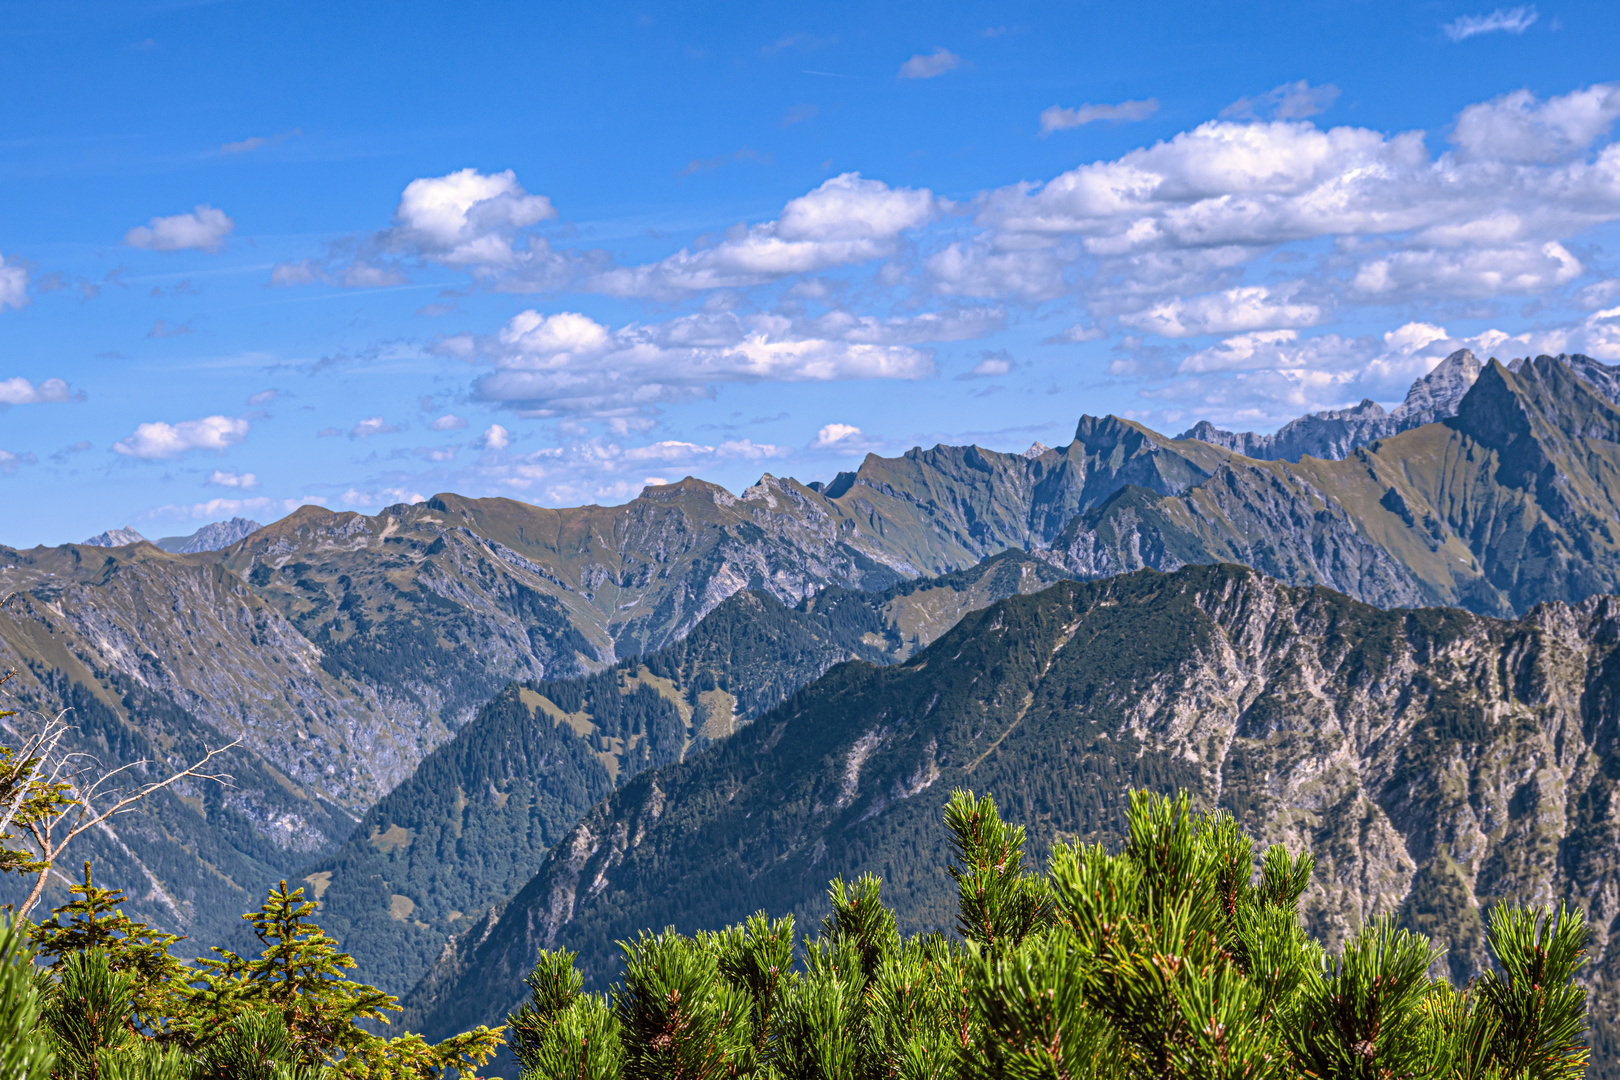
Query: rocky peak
x: 115, y: 538
x: 211, y: 537
x: 1435, y: 396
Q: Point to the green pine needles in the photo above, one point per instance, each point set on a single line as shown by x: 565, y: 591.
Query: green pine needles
x: 1170, y: 960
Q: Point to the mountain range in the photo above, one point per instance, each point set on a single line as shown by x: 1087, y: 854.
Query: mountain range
x: 1432, y: 759
x: 492, y: 643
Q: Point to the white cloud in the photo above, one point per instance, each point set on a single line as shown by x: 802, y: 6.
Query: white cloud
x: 214, y: 509
x: 1524, y: 270
x: 993, y: 365
x: 838, y: 435
x: 496, y: 437
x: 930, y: 65
x: 13, y: 285
x: 569, y: 364
x: 373, y: 425
x: 466, y: 218
x: 1290, y: 101
x: 19, y: 391
x: 448, y: 422
x: 1503, y: 20
x: 203, y: 229
x: 1182, y: 216
x: 1520, y: 127
x: 1057, y: 118
x: 846, y: 220
x: 9, y: 461
x: 158, y: 440
x: 1251, y: 307
x: 224, y: 478
x: 263, y: 397
x: 387, y: 496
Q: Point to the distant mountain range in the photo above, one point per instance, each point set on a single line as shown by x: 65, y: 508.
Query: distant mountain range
x: 1433, y: 760
x: 345, y: 649
x: 1337, y: 432
x: 210, y: 537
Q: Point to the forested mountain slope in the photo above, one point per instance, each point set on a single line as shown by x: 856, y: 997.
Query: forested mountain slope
x: 475, y: 820
x: 1431, y: 759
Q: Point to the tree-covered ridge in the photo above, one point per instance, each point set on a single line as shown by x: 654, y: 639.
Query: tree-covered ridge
x: 475, y: 821
x: 1170, y: 960
x: 1433, y: 761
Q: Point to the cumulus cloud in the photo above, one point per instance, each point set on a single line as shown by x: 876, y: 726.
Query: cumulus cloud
x: 159, y: 440
x: 19, y: 391
x: 1520, y: 127
x: 496, y: 437
x: 464, y: 219
x: 930, y: 65
x: 567, y: 363
x: 846, y: 220
x: 838, y: 435
x: 203, y: 229
x: 1515, y: 20
x: 1057, y: 118
x: 991, y: 365
x: 225, y: 478
x: 1184, y: 215
x: 1250, y: 307
x: 13, y: 285
x: 448, y: 422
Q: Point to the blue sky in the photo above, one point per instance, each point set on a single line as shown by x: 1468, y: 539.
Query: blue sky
x: 257, y: 255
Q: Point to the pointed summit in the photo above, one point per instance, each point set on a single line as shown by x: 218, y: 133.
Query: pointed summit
x: 115, y: 538
x: 1436, y: 395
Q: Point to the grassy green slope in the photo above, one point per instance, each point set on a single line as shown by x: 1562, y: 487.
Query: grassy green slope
x: 1432, y: 759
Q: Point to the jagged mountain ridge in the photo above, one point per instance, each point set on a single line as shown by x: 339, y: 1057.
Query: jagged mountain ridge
x: 474, y: 821
x: 1333, y: 434
x: 1503, y: 506
x: 1432, y: 759
x: 211, y: 537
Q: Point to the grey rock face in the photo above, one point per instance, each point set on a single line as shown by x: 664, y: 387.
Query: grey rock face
x: 1436, y: 395
x: 115, y: 538
x: 1334, y: 433
x: 211, y: 537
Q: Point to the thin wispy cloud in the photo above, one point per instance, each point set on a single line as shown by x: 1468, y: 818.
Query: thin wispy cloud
x: 1514, y: 20
x: 1058, y: 118
x: 1290, y: 101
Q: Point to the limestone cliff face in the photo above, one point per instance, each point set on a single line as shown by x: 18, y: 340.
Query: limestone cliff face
x: 1432, y: 759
